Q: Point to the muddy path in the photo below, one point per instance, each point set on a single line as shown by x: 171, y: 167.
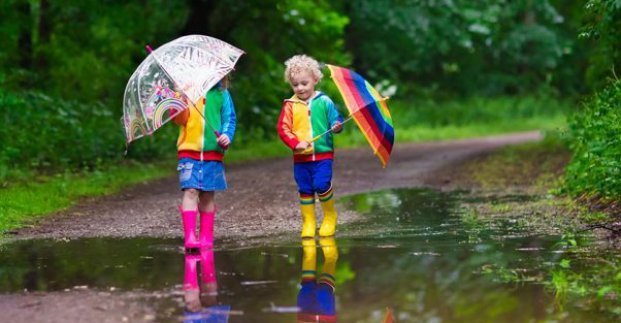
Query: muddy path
x: 260, y: 206
x: 262, y: 197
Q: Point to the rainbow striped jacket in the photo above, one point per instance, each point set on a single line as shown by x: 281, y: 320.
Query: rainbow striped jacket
x: 301, y: 121
x: 196, y: 138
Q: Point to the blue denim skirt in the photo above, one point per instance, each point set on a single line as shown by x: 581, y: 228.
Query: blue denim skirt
x: 205, y: 175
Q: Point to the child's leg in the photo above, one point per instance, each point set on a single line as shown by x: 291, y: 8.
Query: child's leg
x: 189, y: 211
x: 189, y: 201
x: 207, y: 209
x: 328, y: 225
x: 307, y: 207
x: 207, y: 202
x: 302, y: 174
x: 322, y: 182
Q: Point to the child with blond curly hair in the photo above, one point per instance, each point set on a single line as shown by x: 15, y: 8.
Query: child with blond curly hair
x: 309, y: 113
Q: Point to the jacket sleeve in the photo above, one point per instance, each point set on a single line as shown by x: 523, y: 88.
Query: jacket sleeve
x: 333, y: 114
x: 228, y: 116
x: 285, y: 126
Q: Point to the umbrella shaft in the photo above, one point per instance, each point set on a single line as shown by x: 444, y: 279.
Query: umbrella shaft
x: 329, y: 130
x: 215, y: 131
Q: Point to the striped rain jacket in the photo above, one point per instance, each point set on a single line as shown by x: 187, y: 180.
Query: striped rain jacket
x: 301, y: 121
x: 196, y: 138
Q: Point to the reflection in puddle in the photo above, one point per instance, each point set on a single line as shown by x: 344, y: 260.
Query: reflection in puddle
x: 316, y: 296
x: 414, y: 252
x: 200, y: 289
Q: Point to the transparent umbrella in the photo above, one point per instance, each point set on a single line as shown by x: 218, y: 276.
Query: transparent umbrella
x: 173, y: 78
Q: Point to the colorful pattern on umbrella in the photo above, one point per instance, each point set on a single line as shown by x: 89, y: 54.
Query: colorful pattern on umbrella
x: 171, y: 79
x: 368, y: 108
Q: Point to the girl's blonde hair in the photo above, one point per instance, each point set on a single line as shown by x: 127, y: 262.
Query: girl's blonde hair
x: 301, y: 63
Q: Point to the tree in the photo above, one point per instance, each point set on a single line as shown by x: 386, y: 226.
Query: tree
x: 603, y: 25
x: 461, y: 46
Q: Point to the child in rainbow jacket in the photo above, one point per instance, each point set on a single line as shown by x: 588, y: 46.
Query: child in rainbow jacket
x: 206, y: 132
x: 306, y: 114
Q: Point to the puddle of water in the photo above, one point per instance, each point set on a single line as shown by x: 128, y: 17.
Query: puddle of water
x: 414, y: 253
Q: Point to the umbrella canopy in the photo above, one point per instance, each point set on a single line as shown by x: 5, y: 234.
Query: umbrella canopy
x: 368, y: 108
x: 171, y: 78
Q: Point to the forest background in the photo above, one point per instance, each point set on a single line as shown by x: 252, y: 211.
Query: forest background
x: 453, y: 69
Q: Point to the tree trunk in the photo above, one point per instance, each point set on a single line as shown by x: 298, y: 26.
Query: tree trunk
x: 45, y: 32
x: 530, y: 18
x: 198, y: 20
x: 24, y: 40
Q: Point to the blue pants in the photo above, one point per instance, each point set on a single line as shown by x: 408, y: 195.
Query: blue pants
x: 318, y: 299
x: 313, y: 177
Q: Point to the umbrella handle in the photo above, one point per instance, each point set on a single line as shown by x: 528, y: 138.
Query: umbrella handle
x: 218, y: 136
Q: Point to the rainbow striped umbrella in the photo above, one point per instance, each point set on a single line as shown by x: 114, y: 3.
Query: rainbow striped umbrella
x: 368, y: 108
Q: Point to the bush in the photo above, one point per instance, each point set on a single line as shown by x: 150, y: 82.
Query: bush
x: 595, y: 135
x: 44, y: 134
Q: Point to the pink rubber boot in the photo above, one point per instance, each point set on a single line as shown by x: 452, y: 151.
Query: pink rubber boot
x: 190, y: 275
x: 189, y: 228
x: 209, y: 285
x: 191, y: 290
x: 206, y: 229
x: 208, y: 267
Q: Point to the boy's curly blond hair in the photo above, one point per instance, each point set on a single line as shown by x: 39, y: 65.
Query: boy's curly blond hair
x: 300, y: 63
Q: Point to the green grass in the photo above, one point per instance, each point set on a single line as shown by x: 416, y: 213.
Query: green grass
x: 261, y: 149
x: 21, y: 203
x: 429, y: 120
x: 35, y: 196
x: 31, y: 196
x: 430, y: 133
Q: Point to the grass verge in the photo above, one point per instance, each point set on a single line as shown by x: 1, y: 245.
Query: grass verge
x: 518, y: 184
x: 30, y: 196
x: 27, y: 201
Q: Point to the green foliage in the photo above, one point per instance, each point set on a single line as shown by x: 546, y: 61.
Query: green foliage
x: 589, y: 276
x: 603, y: 26
x: 41, y: 134
x: 302, y: 27
x: 475, y: 110
x: 595, y: 134
x: 492, y: 46
x: 81, y: 50
x: 24, y: 203
x: 64, y: 65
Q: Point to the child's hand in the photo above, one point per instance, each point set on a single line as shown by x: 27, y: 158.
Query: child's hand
x: 302, y: 145
x: 224, y: 141
x: 337, y: 127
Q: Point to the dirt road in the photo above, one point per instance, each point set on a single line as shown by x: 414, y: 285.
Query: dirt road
x: 261, y: 201
x: 262, y: 197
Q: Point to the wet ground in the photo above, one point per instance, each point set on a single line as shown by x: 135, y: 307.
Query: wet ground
x: 262, y: 197
x: 413, y: 251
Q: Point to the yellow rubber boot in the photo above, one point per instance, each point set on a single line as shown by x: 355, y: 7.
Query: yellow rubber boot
x: 309, y: 259
x: 309, y: 224
x: 328, y: 225
x: 330, y: 255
